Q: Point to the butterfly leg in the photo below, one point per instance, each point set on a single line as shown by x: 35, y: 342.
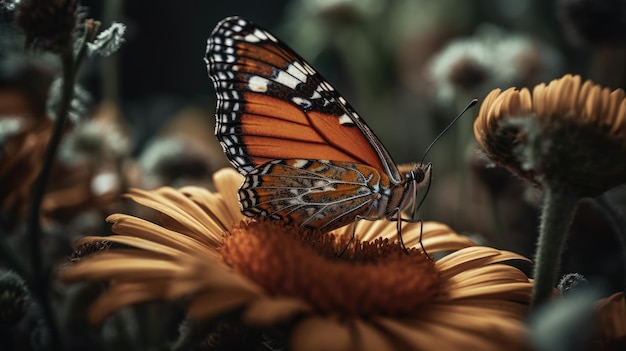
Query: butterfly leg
x: 357, y: 218
x: 399, y: 220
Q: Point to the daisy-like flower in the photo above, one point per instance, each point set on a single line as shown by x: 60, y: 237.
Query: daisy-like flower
x: 567, y: 137
x: 472, y: 66
x: 48, y: 25
x: 568, y: 133
x: 610, y: 322
x: 373, y: 297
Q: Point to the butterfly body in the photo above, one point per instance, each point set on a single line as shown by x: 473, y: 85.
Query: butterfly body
x: 307, y: 157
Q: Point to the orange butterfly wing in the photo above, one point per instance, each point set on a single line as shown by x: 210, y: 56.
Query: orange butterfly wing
x: 273, y: 105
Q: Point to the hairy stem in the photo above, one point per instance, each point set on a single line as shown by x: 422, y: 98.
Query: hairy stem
x: 557, y: 213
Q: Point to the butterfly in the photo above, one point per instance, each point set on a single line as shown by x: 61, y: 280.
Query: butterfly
x: 307, y: 157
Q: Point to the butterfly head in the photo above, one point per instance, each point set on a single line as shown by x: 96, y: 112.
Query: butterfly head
x: 414, y: 178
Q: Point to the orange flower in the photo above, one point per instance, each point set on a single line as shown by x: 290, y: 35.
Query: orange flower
x: 566, y: 133
x: 375, y: 296
x: 611, y: 322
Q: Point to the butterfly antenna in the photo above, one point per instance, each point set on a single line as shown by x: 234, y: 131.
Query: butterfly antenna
x: 470, y: 105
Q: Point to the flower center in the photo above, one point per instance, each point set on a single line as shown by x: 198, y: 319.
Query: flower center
x: 369, y: 278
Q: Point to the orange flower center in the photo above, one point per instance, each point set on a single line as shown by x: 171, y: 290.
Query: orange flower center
x: 370, y: 278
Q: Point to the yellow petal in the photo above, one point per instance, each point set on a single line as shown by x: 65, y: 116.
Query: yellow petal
x: 369, y: 338
x: 227, y: 182
x: 272, y: 311
x: 214, y: 302
x: 118, y: 296
x: 318, y: 333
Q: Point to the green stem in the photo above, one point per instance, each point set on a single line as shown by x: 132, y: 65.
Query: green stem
x: 557, y: 213
x: 618, y: 221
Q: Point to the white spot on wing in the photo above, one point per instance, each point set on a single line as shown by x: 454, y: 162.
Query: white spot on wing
x: 292, y: 76
x: 304, y: 103
x: 300, y: 163
x: 251, y: 38
x: 256, y: 83
x: 261, y: 34
x: 296, y: 70
x: 286, y: 79
x: 345, y: 119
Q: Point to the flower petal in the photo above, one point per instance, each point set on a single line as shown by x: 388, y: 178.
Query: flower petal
x: 318, y: 333
x: 227, y: 182
x: 271, y: 311
x: 370, y: 338
x: 214, y: 302
x: 472, y: 257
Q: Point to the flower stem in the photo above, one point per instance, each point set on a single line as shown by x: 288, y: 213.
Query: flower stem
x: 40, y: 274
x: 618, y: 221
x: 557, y: 213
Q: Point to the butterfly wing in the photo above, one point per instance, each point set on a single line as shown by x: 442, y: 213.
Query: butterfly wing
x: 317, y: 194
x: 273, y: 105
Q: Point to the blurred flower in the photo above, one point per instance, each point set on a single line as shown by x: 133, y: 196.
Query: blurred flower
x: 572, y: 282
x: 14, y: 298
x: 87, y: 175
x: 470, y: 67
x: 567, y: 133
x: 594, y: 22
x: 338, y: 12
x: 174, y: 161
x: 20, y: 164
x: 90, y: 174
x: 9, y: 5
x: 95, y: 141
x: 79, y: 188
x: 78, y: 106
x: 375, y: 296
x: 580, y: 321
x: 47, y: 24
x: 564, y: 324
x: 610, y: 323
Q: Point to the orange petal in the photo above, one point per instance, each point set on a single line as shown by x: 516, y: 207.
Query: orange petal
x: 271, y: 311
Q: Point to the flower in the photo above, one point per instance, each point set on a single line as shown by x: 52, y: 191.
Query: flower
x: 565, y: 134
x: 14, y: 298
x: 374, y: 296
x: 580, y: 320
x: 85, y: 177
x: 20, y: 163
x: 175, y: 161
x: 469, y: 67
x: 47, y: 24
x: 610, y: 322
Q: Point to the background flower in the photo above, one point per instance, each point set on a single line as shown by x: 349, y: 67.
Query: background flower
x: 568, y: 133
